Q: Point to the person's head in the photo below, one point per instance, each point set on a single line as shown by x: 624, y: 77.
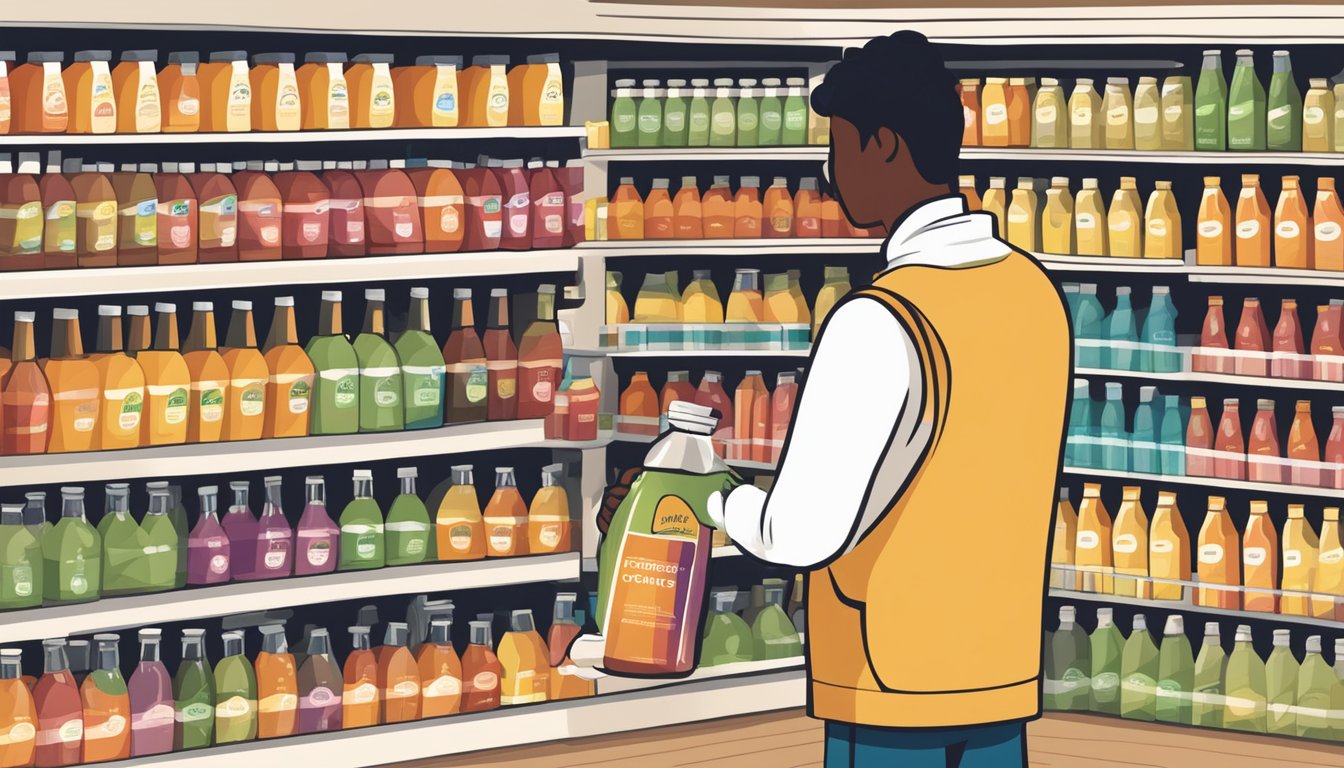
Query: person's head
x: 896, y: 126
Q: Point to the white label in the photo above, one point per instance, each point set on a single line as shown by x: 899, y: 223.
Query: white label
x: 1082, y: 115
x: 1292, y: 558
x: 235, y: 706
x: 1279, y: 113
x: 1248, y: 229
x: 1126, y: 544
x: 404, y: 690
x: 1118, y: 116
x: 362, y: 694
x: 996, y: 113
x: 1173, y: 113
x: 1211, y: 228
x: 1254, y: 556
x: 443, y: 686
x: 1161, y: 546
x: 1327, y: 231
x: 1157, y: 228
x: 1046, y: 114
x: 1211, y: 554
x: 1332, y: 555
x: 70, y: 731
x: 1086, y: 221
x: 1120, y: 224
x: 1313, y: 115
x: 1088, y: 539
x: 1288, y: 229
x: 1146, y: 115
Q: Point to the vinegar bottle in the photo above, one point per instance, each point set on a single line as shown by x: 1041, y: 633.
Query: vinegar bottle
x: 1213, y: 229
x: 361, y: 701
x: 422, y: 366
x: 1292, y: 243
x: 1253, y: 234
x: 467, y: 373
x: 540, y: 355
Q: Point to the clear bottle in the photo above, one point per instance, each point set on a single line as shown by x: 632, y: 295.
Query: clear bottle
x: 1211, y: 105
x: 1159, y: 334
x: 1121, y: 352
x: 235, y: 688
x: 1087, y: 325
x: 1115, y: 438
x: 1139, y: 670
x: 1283, y: 127
x: 1206, y: 705
x: 363, y: 545
x: 151, y: 694
x: 458, y: 526
x: 773, y: 633
x: 1106, y: 649
x: 1246, y: 116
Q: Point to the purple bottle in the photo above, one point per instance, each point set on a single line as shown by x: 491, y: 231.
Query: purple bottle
x: 273, y: 548
x: 240, y: 525
x: 319, y: 537
x: 208, y: 545
x: 151, y: 689
x: 320, y: 686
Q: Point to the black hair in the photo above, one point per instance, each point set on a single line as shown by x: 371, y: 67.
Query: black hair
x: 899, y: 82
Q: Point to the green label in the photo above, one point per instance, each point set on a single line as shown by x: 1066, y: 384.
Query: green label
x: 197, y: 711
x: 178, y: 399
x: 253, y: 401
x: 648, y: 123
x: 23, y: 580
x: 211, y: 397
x: 347, y: 389
x: 477, y: 384
x: 492, y: 205
x: 772, y: 120
x: 366, y: 546
x: 386, y: 392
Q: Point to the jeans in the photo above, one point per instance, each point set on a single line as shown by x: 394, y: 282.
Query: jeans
x: 1002, y: 745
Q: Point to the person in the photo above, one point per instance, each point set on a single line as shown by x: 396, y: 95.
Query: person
x: 918, y: 478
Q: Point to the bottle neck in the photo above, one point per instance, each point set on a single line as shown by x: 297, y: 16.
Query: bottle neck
x: 149, y: 650
x: 418, y: 319
x: 193, y: 649
x: 360, y: 641
x: 54, y: 659
x: 273, y: 505
x: 440, y: 632
x: 233, y: 645
x: 408, y: 486
x: 546, y: 307
x: 373, y: 318
x: 141, y: 337
x: 202, y: 334
x: 165, y: 335
x: 242, y: 333
x: 463, y: 315
x: 499, y: 313
x: 319, y: 644
x: 317, y: 493
x: 72, y: 507
x: 158, y: 504
x: 282, y: 328
x: 24, y: 348
x: 109, y: 334
x: 329, y: 320
x: 66, y: 340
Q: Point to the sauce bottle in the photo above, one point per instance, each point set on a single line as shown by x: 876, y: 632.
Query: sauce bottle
x: 571, y: 182
x: 723, y: 114
x: 361, y: 700
x: 407, y: 527
x: 1304, y: 451
x: 1213, y: 245
x: 320, y: 685
x: 96, y: 207
x: 711, y: 394
x: 88, y: 87
x: 1292, y: 245
x: 151, y: 696
x: 524, y: 662
x: 137, y: 215
x: 542, y: 93
x: 481, y: 671
x: 994, y: 131
x: 1301, y: 549
x: 1086, y: 119
x: 505, y: 517
x: 164, y: 417
x: 1199, y: 440
x: 1246, y: 117
x: 177, y: 220
x: 778, y: 209
x: 501, y: 360
x: 317, y: 536
x: 1092, y: 548
x: 638, y: 407
x: 490, y: 95
x: 1262, y: 449
x: 1168, y: 549
x: 548, y: 520
x: 440, y: 672
x: 517, y: 202
x: 1260, y: 559
x: 1288, y: 361
x: 38, y: 95
x: 1124, y: 221
x: 275, y: 87
x: 121, y: 386
x: 106, y: 706
x: 392, y: 218
x: 345, y: 226
x: 61, y: 226
x: 1119, y: 132
x: 210, y: 382
x: 1229, y: 448
x: 422, y: 366
x: 336, y: 386
x: 1253, y: 236
x: 1211, y: 105
x: 372, y: 94
x: 1019, y: 112
x: 1252, y: 336
x: 485, y: 208
x: 306, y: 204
x: 442, y: 206
x: 26, y: 396
x: 136, y: 86
x: 277, y: 685
x: 1023, y: 227
x: 549, y: 208
x: 659, y: 213
x: 540, y: 356
x: 747, y: 209
x: 1318, y: 112
x: 1162, y: 222
x: 467, y: 377
x: 1057, y: 221
x: 717, y: 207
x: 73, y: 380
x: 1327, y: 246
x: 290, y: 375
x: 1178, y: 128
x: 247, y: 373
x: 260, y: 211
x: 1090, y: 223
x: 380, y: 385
x: 226, y: 92
x: 60, y: 724
x: 398, y: 676
x: 994, y: 203
x: 21, y: 219
x: 180, y: 93
x: 6, y: 105
x: 209, y: 555
x: 459, y: 529
x: 677, y: 387
x: 235, y: 693
x: 1147, y: 115
x: 427, y: 93
x: 218, y: 199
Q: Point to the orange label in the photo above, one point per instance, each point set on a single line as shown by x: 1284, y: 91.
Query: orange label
x: 652, y: 584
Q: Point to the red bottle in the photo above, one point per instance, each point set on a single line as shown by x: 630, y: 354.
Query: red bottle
x: 1327, y: 346
x: 711, y: 394
x: 1229, y: 461
x: 1288, y: 360
x: 260, y: 212
x: 1252, y: 337
x: 307, y: 210
x: 345, y: 223
x: 178, y: 219
x: 571, y: 181
x: 1263, y: 455
x: 1214, y: 337
x: 60, y: 714
x: 548, y: 207
x: 517, y: 201
x: 218, y: 222
x: 485, y: 212
x: 391, y: 216
x: 1334, y: 451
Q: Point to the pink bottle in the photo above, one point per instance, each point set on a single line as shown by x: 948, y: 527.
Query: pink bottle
x: 391, y: 215
x: 1334, y: 450
x: 345, y: 231
x: 1213, y: 336
x: 484, y: 207
x: 1253, y: 338
x: 151, y: 690
x: 1263, y: 454
x: 571, y: 180
x: 274, y: 545
x: 711, y: 394
x: 1229, y: 459
x: 1289, y: 361
x: 548, y: 207
x: 1327, y: 345
x: 208, y: 544
x: 782, y: 403
x: 240, y: 525
x: 318, y: 536
x: 517, y: 197
x: 307, y: 210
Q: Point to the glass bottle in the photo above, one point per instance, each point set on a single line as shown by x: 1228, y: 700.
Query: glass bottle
x: 408, y: 529
x: 440, y: 672
x: 1106, y: 648
x: 1229, y: 458
x: 539, y: 359
x: 1245, y: 686
x: 480, y: 671
x: 318, y: 537
x: 241, y: 527
x: 361, y: 700
x: 1328, y: 218
x: 458, y: 526
x: 746, y: 304
x: 505, y: 517
x: 1159, y: 334
x: 398, y: 676
x: 151, y: 695
x: 1260, y: 561
x: 697, y: 118
x: 362, y: 538
x: 59, y: 712
x: 107, y: 705
x: 1262, y: 449
x: 1283, y: 127
x: 1168, y: 549
x: 1199, y: 440
x: 1252, y: 337
x: 466, y: 368
x: 422, y: 366
x: 71, y: 554
x: 1246, y: 107
x: 1178, y: 127
x: 1318, y: 117
x: 1089, y: 221
x: 320, y: 684
x: 1139, y: 670
x: 726, y: 638
x: 748, y: 113
x: 650, y: 115
x: 1206, y: 706
x: 1057, y: 219
x: 501, y: 360
x: 235, y: 685
x: 624, y: 116
x: 21, y: 563
x: 380, y: 382
x: 1068, y: 665
x: 194, y: 695
x: 124, y: 562
x: 336, y: 387
x: 771, y: 113
x: 795, y: 113
x: 1211, y: 105
x: 748, y: 211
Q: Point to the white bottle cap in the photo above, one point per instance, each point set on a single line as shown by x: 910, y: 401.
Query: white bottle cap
x: 1175, y: 626
x: 404, y: 472
x: 375, y: 294
x: 331, y: 295
x: 138, y: 310
x: 1282, y: 637
x: 109, y: 310
x: 164, y: 306
x: 202, y: 306
x: 61, y: 313
x: 419, y: 292
x: 245, y: 306
x: 25, y: 317
x: 284, y: 301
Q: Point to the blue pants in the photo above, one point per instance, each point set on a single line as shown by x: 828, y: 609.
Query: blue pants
x: 1002, y: 745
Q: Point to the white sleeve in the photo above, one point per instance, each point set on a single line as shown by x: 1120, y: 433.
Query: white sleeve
x: 857, y: 435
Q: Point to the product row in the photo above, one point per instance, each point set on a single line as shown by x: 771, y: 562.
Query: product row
x: 1014, y: 112
x: 154, y: 394
x: 1294, y: 572
x: 70, y: 717
x: 1292, y: 236
x: 1120, y: 341
x: 224, y: 94
x: 1110, y: 674
x: 770, y: 112
x: 764, y: 630
x: 778, y: 298
x: 92, y: 215
x: 720, y: 213
x: 1253, y: 351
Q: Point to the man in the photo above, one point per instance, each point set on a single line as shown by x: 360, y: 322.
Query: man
x: 919, y: 475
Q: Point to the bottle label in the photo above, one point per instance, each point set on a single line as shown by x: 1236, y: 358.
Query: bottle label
x: 1211, y: 554
x: 1161, y: 546
x: 157, y: 716
x: 1210, y: 228
x: 219, y: 221
x: 1331, y: 556
x: 319, y: 552
x: 1247, y: 229
x: 1106, y: 681
x: 110, y: 728
x: 447, y: 685
x: 346, y: 391
x: 549, y: 536
x: 723, y: 122
x: 211, y: 400
x: 1292, y: 558
x: 1252, y: 555
x: 1278, y: 116
x: 1088, y: 540
x: 99, y: 223
x: 300, y: 392
x: 1313, y: 115
x: 22, y: 578
x: 278, y: 702
x: 996, y: 113
x: 1288, y: 229
x: 1085, y: 221
x: 219, y: 564
x: 648, y: 123
x: 1146, y: 116
x: 1118, y: 115
x: 175, y: 406
x: 478, y: 384
x: 746, y: 121
x: 1082, y: 115
x: 1157, y: 228
x: 484, y: 681
x: 518, y: 213
x: 445, y: 96
x: 460, y: 537
x: 501, y: 538
x: 61, y: 228
x: 195, y: 712
x: 404, y: 690
x: 1046, y: 114
x: 318, y: 697
x: 338, y: 97
x: 1126, y: 544
x: 234, y: 706
x: 1239, y: 110
x: 253, y: 400
x: 363, y: 693
x: 1327, y: 231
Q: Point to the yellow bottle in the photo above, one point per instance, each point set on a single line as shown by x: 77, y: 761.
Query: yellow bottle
x: 1147, y: 115
x: 1049, y: 117
x: 248, y: 375
x: 1178, y: 114
x: 994, y: 112
x: 209, y: 377
x: 73, y: 379
x: 833, y: 289
x: 700, y: 302
x: 659, y: 301
x: 459, y: 529
x: 1087, y: 123
x: 1318, y: 125
x: 524, y: 662
x: 120, y: 382
x: 1063, y: 543
x: 1301, y: 549
x: 1129, y: 545
x: 167, y: 381
x: 548, y: 521
x: 799, y: 300
x: 1162, y: 224
x: 1093, y: 548
x: 1119, y: 114
x: 1023, y: 230
x: 1168, y: 548
x: 618, y: 312
x: 745, y: 303
x: 780, y: 306
x: 996, y: 202
x: 1329, y: 582
x: 1125, y: 221
x: 1057, y: 222
x: 1219, y: 550
x: 1091, y: 230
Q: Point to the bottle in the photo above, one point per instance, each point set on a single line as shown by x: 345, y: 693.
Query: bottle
x: 286, y: 213
x: 372, y: 95
x: 1159, y: 334
x: 524, y: 662
x: 1162, y: 223
x: 746, y: 304
x: 240, y: 525
x: 178, y: 212
x: 210, y: 383
x: 1292, y: 246
x: 275, y: 90
x: 398, y: 676
x: 723, y: 114
x: 35, y: 514
x: 1089, y: 221
x: 208, y: 548
x: 137, y: 215
x: 501, y: 360
x: 1139, y: 670
x: 618, y: 311
x: 1129, y: 545
x: 1211, y: 105
x: 167, y: 378
x: 1199, y: 440
x: 1176, y: 674
x: 624, y: 116
x: 1125, y: 222
x: 458, y: 526
x: 362, y: 543
x: 1260, y: 558
x: 710, y: 394
x: 1252, y: 336
x: 678, y: 387
x: 88, y: 86
x: 235, y: 685
x: 71, y: 554
x: 748, y: 211
x: 1229, y: 449
x: 1213, y: 336
x: 835, y: 287
x: 565, y: 627
x: 628, y: 210
x: 649, y: 117
x: 60, y: 725
x: 994, y: 127
x: 1328, y: 217
x: 277, y: 685
x: 1208, y: 701
x: 505, y: 517
x: 151, y: 698
x: 39, y: 95
x: 1067, y: 665
x: 1301, y: 549
x: 125, y: 565
x: 218, y: 199
x: 1023, y: 226
x: 26, y: 395
x: 1303, y: 450
x: 1121, y: 334
x: 673, y: 130
x: 1253, y: 238
x: 408, y: 528
x: 1283, y: 128
x: 778, y: 210
x: 1317, y: 690
x: 380, y: 377
x: 697, y: 114
x: 795, y: 113
x: 137, y: 87
x: 548, y: 521
x: 1328, y: 584
x: 1063, y: 546
x: 59, y: 238
x: 159, y: 540
x: 748, y: 113
x: 1147, y: 115
x: 1106, y: 649
x: 21, y: 567
x: 1318, y: 117
x: 1220, y: 558
x: 1057, y: 220
x: 289, y: 387
x: 440, y: 672
x: 177, y: 514
x: 467, y: 373
x: 1288, y: 360
x: 1326, y: 343
x: 773, y: 634
x: 1245, y: 709
x: 700, y: 303
x: 481, y: 671
x: 106, y: 706
x: 1049, y: 116
x: 319, y: 686
x: 73, y: 381
x: 1145, y: 455
x: 336, y: 397
x: 1119, y: 131
x: 1115, y: 439
x: 687, y: 223
x: 1334, y: 450
x: 361, y: 700
x: 1246, y: 118
x: 1086, y: 120
x: 969, y: 91
x: 1262, y: 450
x: 226, y: 103
x: 783, y: 401
x: 539, y: 359
x: 1178, y: 128
x: 21, y: 238
x: 180, y: 93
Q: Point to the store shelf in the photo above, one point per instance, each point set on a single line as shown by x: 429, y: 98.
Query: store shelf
x: 183, y: 605
x: 815, y: 154
x: 1056, y: 263
x: 689, y: 702
x: 610, y: 685
x: 247, y: 274
x: 258, y: 455
x: 614, y: 249
x: 1240, y: 159
x: 1187, y: 606
x: 1215, y: 378
x: 698, y: 353
x: 1208, y: 482
x: 1262, y: 276
x: 291, y: 137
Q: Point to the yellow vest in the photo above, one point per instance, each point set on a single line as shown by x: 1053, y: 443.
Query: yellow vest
x: 934, y: 618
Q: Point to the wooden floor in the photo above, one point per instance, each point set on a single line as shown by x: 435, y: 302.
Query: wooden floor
x: 790, y: 740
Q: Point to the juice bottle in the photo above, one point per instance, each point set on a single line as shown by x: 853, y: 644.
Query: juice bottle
x: 125, y: 566
x: 422, y: 366
x: 780, y: 304
x: 549, y: 207
x: 969, y: 91
x: 1168, y: 549
x: 1089, y: 221
x: 210, y: 382
x: 26, y: 395
x: 1057, y: 221
x: 1252, y: 336
x: 427, y: 93
x: 218, y: 199
x: 658, y: 212
x: 248, y: 374
x: 517, y: 202
x: 1213, y: 336
x: 711, y: 394
x: 687, y: 211
x: 6, y: 111
x: 317, y: 536
x: 700, y: 303
x: 1229, y: 448
x: 1246, y: 117
x: 440, y: 672
x: 807, y: 209
x: 1129, y: 545
x: 697, y: 114
x: 994, y: 113
x: 1328, y: 218
x: 746, y: 304
x: 1304, y: 451
x: 524, y: 662
x: 361, y: 700
x: 269, y: 556
x: 1283, y: 127
x: 73, y: 380
x: 151, y: 698
x: 1086, y: 119
x: 21, y: 241
x: 1138, y: 673
x: 136, y: 85
x: 398, y: 676
x: 276, y: 91
x: 747, y: 209
x: 1213, y: 246
x: 38, y: 95
x: 1334, y: 450
x: 262, y: 216
x: 488, y: 96
x: 505, y: 517
x: 324, y: 96
x: 625, y: 116
x: 1317, y: 689
x: 466, y: 367
x: 677, y: 387
x: 1301, y: 549
x: 442, y: 207
x: 88, y: 87
x: 336, y: 395
x: 778, y: 209
x: 548, y: 521
x: 564, y: 629
x: 748, y: 113
x: 193, y: 694
x: 1245, y: 686
x: 995, y: 203
x: 1263, y: 448
x: 718, y: 215
x: 1106, y: 651
x: 277, y: 685
x: 180, y: 93
x: 319, y: 686
x: 501, y: 360
x: 1176, y: 674
x: 21, y: 567
x: 1211, y: 105
x: 1292, y: 245
x: 1318, y: 117
x: 1119, y: 132
x: 240, y: 525
x: 539, y: 359
x: 208, y: 549
x: 106, y: 706
x: 408, y: 528
x: 1260, y: 558
x: 380, y: 383
x: 1325, y: 340
x: 137, y: 215
x: 1147, y: 115
x: 458, y: 526
x: 1067, y: 665
x: 61, y: 230
x: 1162, y: 221
x: 1328, y: 582
x: 362, y: 537
x: 226, y: 92
x: 1019, y: 104
x: 1199, y: 440
x: 481, y: 671
x: 1210, y: 671
x: 1023, y: 226
x: 345, y: 230
x: 161, y: 543
x: 1124, y: 221
x: 289, y: 386
x: 235, y: 689
x: 1178, y: 128
x: 59, y: 713
x: 628, y: 208
x: 177, y: 219
x: 1049, y: 116
x: 1253, y: 236
x: 727, y: 638
x: 796, y: 113
x: 723, y: 114
x: 1092, y: 550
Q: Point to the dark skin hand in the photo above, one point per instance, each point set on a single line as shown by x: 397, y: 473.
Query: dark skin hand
x: 876, y: 182
x: 616, y: 493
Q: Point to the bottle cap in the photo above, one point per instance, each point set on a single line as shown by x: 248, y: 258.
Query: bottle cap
x: 1067, y: 613
x: 373, y: 58
x: 331, y: 296
x: 273, y: 58
x: 1282, y: 637
x: 375, y: 294
x: 438, y: 61
x: 1175, y: 626
x: 228, y: 56
x: 46, y: 57
x: 405, y: 472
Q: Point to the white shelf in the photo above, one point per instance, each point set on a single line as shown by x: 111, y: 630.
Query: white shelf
x: 831, y: 246
x: 1216, y: 378
x: 1056, y: 263
x: 258, y: 455
x: 1186, y: 606
x: 246, y: 274
x: 817, y: 153
x: 1262, y: 276
x: 289, y: 137
x: 615, y: 353
x: 182, y: 605
x: 613, y: 684
x: 1241, y: 159
x: 1208, y: 482
x: 690, y: 702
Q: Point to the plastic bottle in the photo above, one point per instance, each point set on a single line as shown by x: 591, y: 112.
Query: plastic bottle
x: 795, y: 113
x: 1263, y: 447
x: 1328, y: 217
x: 277, y: 685
x: 1089, y: 220
x: 539, y: 359
x: 771, y: 113
x: 96, y: 208
x: 1119, y: 131
x: 1067, y: 665
x: 1208, y: 700
x: 1049, y: 116
x: 700, y: 303
x: 565, y: 627
x: 1328, y: 584
x: 422, y: 366
x: 440, y: 672
x: 362, y: 537
x: 235, y: 684
x: 1301, y: 549
x: 458, y: 525
x: 283, y: 214
x: 1159, y: 334
x: 38, y: 95
x: 746, y: 304
x: 723, y: 114
x: 1283, y: 127
x: 748, y: 211
x: 1147, y: 115
x: 624, y: 116
x: 1318, y: 117
x: 505, y: 517
x: 427, y: 93
x: 336, y: 391
x: 1246, y: 118
x: 240, y: 525
x: 1087, y: 324
x: 524, y: 662
x: 372, y: 95
x: 324, y: 95
x: 226, y: 92
x: 89, y: 89
x: 289, y: 386
x: 319, y: 686
x: 1086, y: 119
x: 178, y: 216
x: 1056, y: 220
x: 1121, y: 334
x: 106, y: 706
x: 1213, y: 241
x: 60, y: 725
x: 1211, y: 105
x: 21, y: 566
x: 1019, y: 103
x: 748, y: 113
x: 1106, y: 648
x: 1292, y: 243
x: 481, y: 671
x: 650, y: 115
x: 1062, y: 546
x: 194, y: 695
x: 1139, y: 670
x: 659, y: 212
x: 1317, y: 691
x: 1252, y: 336
x: 125, y: 568
x: 1092, y: 549
x: 408, y: 529
x: 151, y: 696
x: 1129, y: 546
x: 218, y: 198
x: 398, y: 676
x: 1168, y: 549
x: 1125, y: 221
x: 161, y: 543
x: 1178, y: 127
x: 718, y: 213
x: 180, y: 93
x: 1162, y: 225
x: 628, y: 209
x: 1245, y: 708
x: 210, y: 382
x: 1176, y: 674
x: 994, y: 127
x: 208, y: 550
x: 361, y: 701
x: 275, y: 89
x: 58, y: 243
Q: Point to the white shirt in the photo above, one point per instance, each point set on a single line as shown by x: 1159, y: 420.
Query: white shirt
x: 857, y: 435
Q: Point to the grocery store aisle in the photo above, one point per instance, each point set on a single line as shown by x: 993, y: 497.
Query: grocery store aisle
x: 790, y: 740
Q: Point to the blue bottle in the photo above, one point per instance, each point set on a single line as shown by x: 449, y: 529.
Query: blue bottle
x: 1122, y: 332
x: 1172, y: 436
x: 1080, y: 449
x: 1159, y: 331
x: 1071, y: 299
x: 1087, y: 326
x: 1145, y: 455
x: 1114, y: 438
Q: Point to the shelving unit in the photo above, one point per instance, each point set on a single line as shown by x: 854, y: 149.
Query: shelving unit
x: 1207, y: 482
x: 1156, y: 157
x: 1214, y: 378
x: 19, y: 141
x: 1187, y: 606
x: 611, y: 685
x: 616, y: 249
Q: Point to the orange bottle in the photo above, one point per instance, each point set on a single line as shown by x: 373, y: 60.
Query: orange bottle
x: 751, y: 433
x: 440, y: 672
x: 480, y: 671
x: 427, y: 93
x: 1303, y: 448
x: 658, y: 212
x: 994, y: 113
x: 26, y: 397
x: 277, y: 685
x: 18, y: 713
x: 443, y: 212
x: 6, y: 109
x: 687, y: 223
x: 548, y: 521
x: 21, y: 221
x: 639, y: 407
x: 209, y: 377
x: 137, y: 215
x: 275, y: 89
x: 289, y: 387
x: 167, y: 379
x: 1213, y: 229
x: 1260, y: 560
x: 180, y: 93
x: 1253, y: 233
x: 966, y: 186
x: 833, y: 221
x: 717, y: 210
x: 747, y: 209
x: 361, y: 702
x: 139, y: 109
x: 628, y: 208
x: 88, y: 87
x: 96, y: 207
x: 1219, y: 556
x: 245, y: 407
x: 969, y: 91
x: 398, y: 676
x: 779, y: 209
x: 1019, y: 112
x: 1328, y: 217
x: 73, y: 380
x: 524, y: 662
x: 1292, y: 229
x: 37, y: 95
x: 542, y: 91
x: 373, y: 101
x: 324, y: 94
x: 485, y: 92
x: 121, y: 385
x: 678, y: 387
x: 60, y: 240
x: 505, y: 517
x: 226, y: 93
x: 807, y: 209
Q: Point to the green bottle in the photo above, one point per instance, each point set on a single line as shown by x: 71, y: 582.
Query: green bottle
x: 1175, y: 674
x: 380, y: 396
x: 161, y: 542
x: 723, y: 115
x: 748, y: 114
x: 650, y: 116
x: 177, y: 512
x: 194, y: 694
x: 1107, y: 644
x: 773, y: 634
x: 1246, y: 107
x: 361, y: 528
x: 336, y: 401
x: 1138, y: 673
x: 1244, y: 686
x: 795, y: 114
x: 125, y: 569
x: 1281, y: 672
x: 235, y: 688
x: 675, y: 128
x: 422, y: 369
x: 772, y: 114
x: 71, y: 554
x: 35, y: 514
x: 106, y: 672
x: 697, y: 119
x: 1283, y: 128
x: 408, y: 528
x: 1206, y: 706
x: 1211, y: 105
x: 727, y: 638
x: 624, y: 116
x: 20, y: 561
x: 1067, y: 684
x: 1320, y: 695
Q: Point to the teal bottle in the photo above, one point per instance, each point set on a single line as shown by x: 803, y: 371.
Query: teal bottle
x: 726, y: 638
x: 1114, y: 437
x: 1106, y: 645
x: 380, y: 385
x: 1087, y: 326
x: 772, y: 632
x: 1081, y: 448
x: 1171, y: 435
x: 407, y: 528
x: 194, y: 695
x: 1144, y: 455
x: 624, y: 116
x: 20, y: 561
x: 1138, y: 673
x: 650, y: 116
x: 422, y: 368
x: 1159, y: 335
x: 1071, y: 299
x: 1246, y: 107
x: 1283, y: 125
x: 1206, y: 706
x: 336, y: 386
x: 772, y: 113
x: 1068, y: 665
x: 362, y: 543
x: 71, y: 554
x: 1211, y: 105
x: 1281, y: 673
x: 125, y: 567
x: 1175, y: 674
x: 1122, y: 335
x: 161, y: 543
